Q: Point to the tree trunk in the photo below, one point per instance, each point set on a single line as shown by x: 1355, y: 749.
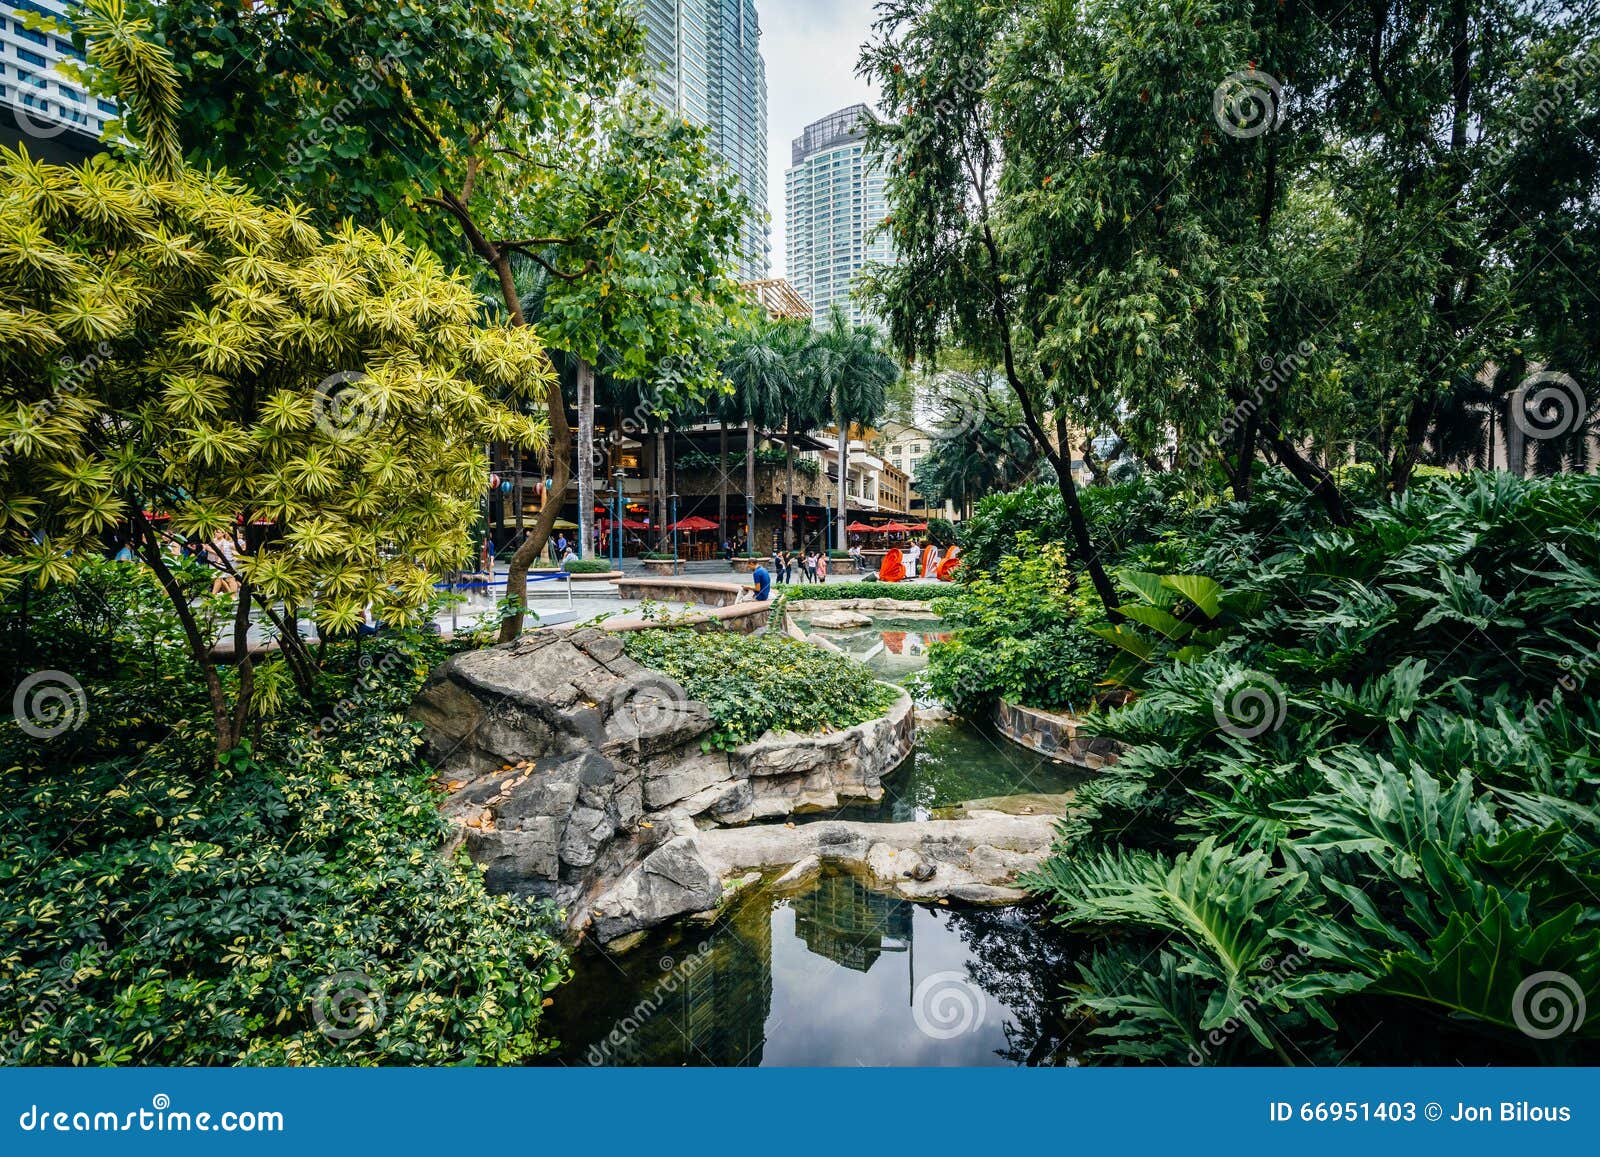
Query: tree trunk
x: 788, y: 489
x: 722, y: 483
x: 660, y: 484
x: 585, y: 458
x: 844, y: 480
x: 750, y: 485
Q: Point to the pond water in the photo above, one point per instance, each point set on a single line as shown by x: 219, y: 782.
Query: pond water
x: 838, y: 974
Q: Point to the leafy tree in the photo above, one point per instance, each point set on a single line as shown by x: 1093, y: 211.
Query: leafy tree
x: 636, y: 227
x: 174, y: 346
x: 849, y: 369
x: 518, y: 129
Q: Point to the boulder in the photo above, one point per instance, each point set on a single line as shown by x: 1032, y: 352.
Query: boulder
x: 572, y: 773
x: 840, y: 620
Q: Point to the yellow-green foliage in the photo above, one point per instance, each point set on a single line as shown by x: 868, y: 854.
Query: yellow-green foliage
x: 167, y: 344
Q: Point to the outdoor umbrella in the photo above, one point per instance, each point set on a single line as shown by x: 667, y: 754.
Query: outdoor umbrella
x: 692, y: 523
x: 860, y: 528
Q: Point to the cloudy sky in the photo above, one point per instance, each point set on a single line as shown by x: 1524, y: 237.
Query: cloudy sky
x: 810, y: 47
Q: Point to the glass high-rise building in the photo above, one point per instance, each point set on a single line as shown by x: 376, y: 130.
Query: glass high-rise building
x: 706, y: 64
x: 41, y: 107
x: 835, y: 201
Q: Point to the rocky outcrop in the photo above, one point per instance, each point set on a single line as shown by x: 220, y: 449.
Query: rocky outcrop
x: 568, y: 767
x: 977, y: 860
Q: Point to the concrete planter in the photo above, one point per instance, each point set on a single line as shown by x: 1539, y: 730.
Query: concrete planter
x: 842, y: 566
x: 664, y: 568
x: 747, y: 565
x: 1055, y: 736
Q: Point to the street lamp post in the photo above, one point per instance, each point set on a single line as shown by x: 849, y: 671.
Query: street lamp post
x: 619, y: 476
x: 673, y: 498
x: 750, y: 523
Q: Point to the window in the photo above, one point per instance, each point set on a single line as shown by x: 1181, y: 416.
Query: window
x: 31, y: 57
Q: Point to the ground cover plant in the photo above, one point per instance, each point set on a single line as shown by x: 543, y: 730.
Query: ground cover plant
x: 757, y: 683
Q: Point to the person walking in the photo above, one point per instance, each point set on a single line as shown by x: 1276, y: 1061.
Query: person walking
x: 809, y: 566
x: 822, y: 566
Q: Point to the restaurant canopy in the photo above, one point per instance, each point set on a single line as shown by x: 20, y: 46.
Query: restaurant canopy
x: 895, y: 528
x: 694, y: 522
x: 861, y: 528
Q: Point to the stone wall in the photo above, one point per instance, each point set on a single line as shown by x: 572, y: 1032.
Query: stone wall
x: 566, y: 764
x: 1054, y: 735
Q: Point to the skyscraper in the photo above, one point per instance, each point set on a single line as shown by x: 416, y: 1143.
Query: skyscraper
x: 706, y: 64
x: 50, y: 114
x: 835, y: 199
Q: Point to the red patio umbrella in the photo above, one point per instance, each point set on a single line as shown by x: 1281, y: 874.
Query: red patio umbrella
x: 861, y: 528
x: 896, y: 528
x: 692, y: 523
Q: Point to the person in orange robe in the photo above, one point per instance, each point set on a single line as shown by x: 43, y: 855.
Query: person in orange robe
x: 893, y: 569
x: 930, y: 561
x: 947, y: 568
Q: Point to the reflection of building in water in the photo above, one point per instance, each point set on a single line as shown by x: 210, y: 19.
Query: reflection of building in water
x: 849, y: 925
x: 720, y: 1012
x: 709, y: 1007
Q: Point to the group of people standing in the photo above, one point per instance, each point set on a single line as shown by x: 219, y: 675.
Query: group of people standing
x: 812, y: 565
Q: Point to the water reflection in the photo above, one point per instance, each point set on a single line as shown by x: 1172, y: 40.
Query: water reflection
x: 837, y: 975
x: 895, y: 648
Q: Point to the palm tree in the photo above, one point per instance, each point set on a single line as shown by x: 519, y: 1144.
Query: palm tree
x: 854, y: 374
x: 803, y: 408
x: 759, y: 367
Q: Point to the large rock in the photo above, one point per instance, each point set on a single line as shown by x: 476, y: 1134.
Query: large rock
x: 569, y: 768
x: 840, y: 620
x: 976, y: 860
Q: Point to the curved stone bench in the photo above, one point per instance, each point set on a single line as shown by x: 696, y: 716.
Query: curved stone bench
x: 743, y: 618
x: 677, y: 590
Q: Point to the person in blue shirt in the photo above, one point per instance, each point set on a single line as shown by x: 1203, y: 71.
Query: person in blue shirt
x: 762, y: 586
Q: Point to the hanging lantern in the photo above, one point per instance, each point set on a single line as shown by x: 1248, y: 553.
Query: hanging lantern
x: 494, y: 482
x: 505, y: 488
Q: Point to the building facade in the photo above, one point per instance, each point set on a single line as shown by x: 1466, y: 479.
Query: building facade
x: 706, y: 65
x: 835, y: 200
x: 42, y: 108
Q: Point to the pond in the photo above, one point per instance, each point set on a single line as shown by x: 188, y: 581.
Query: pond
x: 836, y: 975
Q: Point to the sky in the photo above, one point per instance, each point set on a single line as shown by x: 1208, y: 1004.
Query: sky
x: 810, y: 48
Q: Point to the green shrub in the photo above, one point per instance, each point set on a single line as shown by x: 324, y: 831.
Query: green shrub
x: 657, y: 556
x: 588, y: 566
x: 156, y: 909
x: 839, y: 554
x: 903, y: 592
x: 1016, y: 637
x: 1368, y: 815
x: 757, y: 683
